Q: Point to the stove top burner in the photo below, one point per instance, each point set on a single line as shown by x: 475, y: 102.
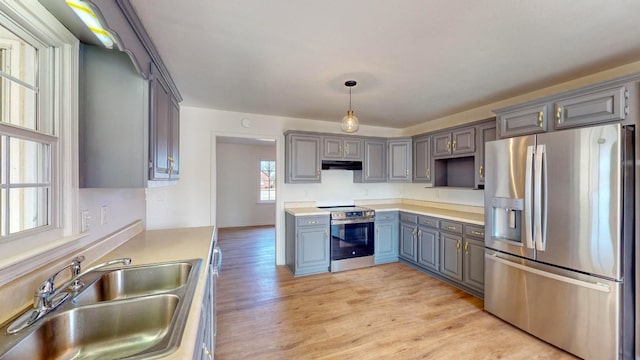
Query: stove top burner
x: 349, y: 212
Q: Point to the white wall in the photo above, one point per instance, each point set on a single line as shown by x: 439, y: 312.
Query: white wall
x: 238, y: 179
x: 124, y: 207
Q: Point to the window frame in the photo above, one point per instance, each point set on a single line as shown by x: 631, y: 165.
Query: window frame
x: 275, y: 193
x: 29, y: 250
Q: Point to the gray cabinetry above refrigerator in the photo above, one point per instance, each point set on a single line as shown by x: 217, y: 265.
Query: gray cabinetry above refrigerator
x: 611, y: 101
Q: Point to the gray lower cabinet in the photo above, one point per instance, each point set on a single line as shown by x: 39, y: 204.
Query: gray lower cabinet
x: 447, y: 250
x: 307, y: 244
x: 451, y: 255
x: 374, y: 166
x: 408, y: 237
x: 399, y: 160
x: 302, y: 158
x: 386, y: 237
x: 428, y: 247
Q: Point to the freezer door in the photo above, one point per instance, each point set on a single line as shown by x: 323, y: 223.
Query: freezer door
x: 508, y: 195
x: 578, y: 188
x: 578, y: 313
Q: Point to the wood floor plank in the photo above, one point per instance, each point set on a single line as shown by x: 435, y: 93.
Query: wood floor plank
x: 388, y: 311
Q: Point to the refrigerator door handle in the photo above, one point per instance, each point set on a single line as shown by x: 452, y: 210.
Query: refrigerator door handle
x: 528, y: 234
x: 594, y: 286
x: 539, y: 215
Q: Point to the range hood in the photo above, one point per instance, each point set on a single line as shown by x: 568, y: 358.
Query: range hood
x: 341, y: 165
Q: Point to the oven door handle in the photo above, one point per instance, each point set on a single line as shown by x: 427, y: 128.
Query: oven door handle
x: 351, y: 221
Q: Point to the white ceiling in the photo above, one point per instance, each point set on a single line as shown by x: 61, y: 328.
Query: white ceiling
x: 414, y: 60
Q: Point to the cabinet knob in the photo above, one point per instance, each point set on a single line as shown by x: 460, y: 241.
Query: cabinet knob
x: 454, y: 145
x: 407, y: 172
x: 448, y: 145
x: 451, y: 227
x: 466, y: 247
x: 481, y: 172
x: 458, y: 245
x: 428, y: 173
x: 478, y: 233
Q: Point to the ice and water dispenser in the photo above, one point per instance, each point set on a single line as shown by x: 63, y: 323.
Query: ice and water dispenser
x: 507, y: 218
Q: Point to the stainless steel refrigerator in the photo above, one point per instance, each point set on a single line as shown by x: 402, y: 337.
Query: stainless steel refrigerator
x: 559, y: 238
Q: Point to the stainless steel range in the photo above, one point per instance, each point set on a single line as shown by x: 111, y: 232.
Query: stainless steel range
x: 352, y: 240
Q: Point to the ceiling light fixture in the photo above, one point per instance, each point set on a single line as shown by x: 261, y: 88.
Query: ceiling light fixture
x: 350, y: 123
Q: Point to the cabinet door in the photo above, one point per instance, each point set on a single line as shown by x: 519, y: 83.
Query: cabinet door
x: 386, y: 241
x: 352, y: 149
x: 331, y: 148
x: 174, y: 160
x: 428, y: 247
x: 399, y: 161
x: 375, y: 161
x: 528, y: 120
x: 408, y: 248
x: 422, y: 159
x: 463, y: 141
x: 484, y: 133
x: 591, y: 108
x: 474, y: 264
x: 303, y: 158
x: 441, y: 145
x: 160, y: 120
x: 312, y: 248
x: 451, y: 256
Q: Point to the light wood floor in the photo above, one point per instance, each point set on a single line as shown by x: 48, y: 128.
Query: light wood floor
x: 383, y: 312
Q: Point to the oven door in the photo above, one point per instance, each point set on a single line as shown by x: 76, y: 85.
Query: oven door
x: 351, y: 238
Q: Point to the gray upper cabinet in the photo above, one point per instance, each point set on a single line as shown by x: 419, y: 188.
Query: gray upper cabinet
x: 138, y: 140
x: 604, y: 102
x: 594, y: 107
x: 374, y: 165
x: 341, y: 148
x: 422, y: 159
x: 527, y: 120
x: 484, y: 132
x: 302, y: 158
x: 399, y: 160
x: 454, y: 143
x: 165, y: 143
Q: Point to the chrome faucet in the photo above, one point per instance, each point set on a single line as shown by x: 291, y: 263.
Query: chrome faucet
x: 47, y: 297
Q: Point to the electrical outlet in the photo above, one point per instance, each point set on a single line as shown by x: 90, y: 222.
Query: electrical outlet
x: 104, y: 214
x: 86, y: 217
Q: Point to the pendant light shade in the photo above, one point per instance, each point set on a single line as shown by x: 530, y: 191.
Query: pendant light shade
x: 350, y: 123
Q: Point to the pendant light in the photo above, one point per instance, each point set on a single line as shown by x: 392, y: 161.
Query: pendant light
x: 350, y: 123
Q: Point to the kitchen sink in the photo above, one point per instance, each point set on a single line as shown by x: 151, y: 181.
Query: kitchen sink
x: 130, y: 312
x: 135, y: 281
x: 102, y: 331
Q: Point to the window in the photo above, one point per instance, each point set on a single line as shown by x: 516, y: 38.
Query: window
x: 26, y: 139
x: 267, y: 176
x: 38, y: 132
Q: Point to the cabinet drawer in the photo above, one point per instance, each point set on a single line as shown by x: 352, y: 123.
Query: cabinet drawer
x: 428, y: 221
x: 312, y: 220
x: 475, y: 231
x: 406, y: 217
x: 451, y: 226
x: 386, y: 216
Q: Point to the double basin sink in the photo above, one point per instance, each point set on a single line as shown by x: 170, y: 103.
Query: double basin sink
x: 132, y: 312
